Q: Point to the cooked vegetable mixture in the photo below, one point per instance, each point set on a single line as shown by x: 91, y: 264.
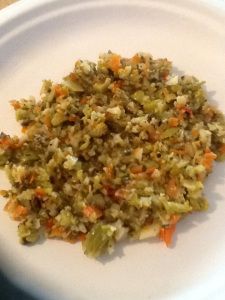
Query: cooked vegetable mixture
x: 119, y: 148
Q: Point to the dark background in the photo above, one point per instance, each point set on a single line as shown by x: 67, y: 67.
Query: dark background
x: 9, y: 292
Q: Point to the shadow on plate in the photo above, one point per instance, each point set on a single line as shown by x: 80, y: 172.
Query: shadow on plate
x: 10, y: 292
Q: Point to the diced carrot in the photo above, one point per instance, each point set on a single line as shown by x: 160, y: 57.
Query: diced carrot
x: 222, y: 149
x: 121, y: 194
x: 73, y: 76
x: 57, y: 232
x: 5, y: 141
x: 165, y: 75
x: 81, y: 237
x: 49, y: 223
x: 188, y: 111
x: 136, y: 169
x: 117, y: 85
x: 15, y: 104
x: 24, y: 129
x: 208, y: 159
x: 13, y: 144
x: 92, y: 211
x: 114, y: 62
x: 20, y: 212
x: 47, y: 121
x: 150, y: 170
x: 172, y: 190
x: 136, y: 59
x: 166, y: 234
x: 83, y: 100
x: 154, y: 135
x: 39, y: 192
x: 60, y: 91
x: 180, y: 116
x: 116, y: 195
x: 195, y: 133
x: 184, y: 110
x: 109, y: 171
x: 109, y: 190
x: 173, y: 122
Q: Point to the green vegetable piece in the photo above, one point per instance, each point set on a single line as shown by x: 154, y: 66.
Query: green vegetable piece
x: 99, y: 240
x: 102, y: 87
x: 149, y: 106
x: 4, y: 156
x: 28, y: 231
x: 169, y: 133
x: 138, y: 96
x: 72, y: 85
x: 177, y: 208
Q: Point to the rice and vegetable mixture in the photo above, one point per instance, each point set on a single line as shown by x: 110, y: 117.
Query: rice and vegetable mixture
x: 119, y: 148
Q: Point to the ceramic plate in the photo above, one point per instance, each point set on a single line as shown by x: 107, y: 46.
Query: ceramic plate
x: 42, y: 39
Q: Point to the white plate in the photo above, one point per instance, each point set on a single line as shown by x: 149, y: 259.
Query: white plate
x: 42, y: 39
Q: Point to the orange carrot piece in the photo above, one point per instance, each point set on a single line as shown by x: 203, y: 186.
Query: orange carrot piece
x: 39, y: 192
x: 172, y: 190
x: 114, y: 62
x: 173, y: 122
x: 222, y: 149
x: 20, y: 212
x: 150, y: 170
x: 166, y: 234
x: 60, y: 91
x: 83, y: 100
x: 136, y: 169
x: 117, y: 85
x: 73, y: 76
x: 165, y: 75
x: 109, y: 171
x: 136, y: 59
x: 47, y: 120
x: 57, y: 232
x: 208, y: 159
x: 81, y: 237
x: 92, y: 211
x: 15, y: 104
x: 5, y: 141
x: 195, y: 133
x: 49, y: 223
x: 24, y: 129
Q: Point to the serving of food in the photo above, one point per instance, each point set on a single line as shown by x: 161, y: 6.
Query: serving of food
x: 120, y: 148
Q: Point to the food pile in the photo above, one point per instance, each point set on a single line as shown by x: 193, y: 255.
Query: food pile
x: 119, y: 148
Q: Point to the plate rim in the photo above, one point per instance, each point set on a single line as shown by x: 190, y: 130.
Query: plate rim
x: 17, y: 9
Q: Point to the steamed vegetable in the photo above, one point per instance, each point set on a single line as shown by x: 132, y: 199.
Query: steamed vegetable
x: 119, y: 148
